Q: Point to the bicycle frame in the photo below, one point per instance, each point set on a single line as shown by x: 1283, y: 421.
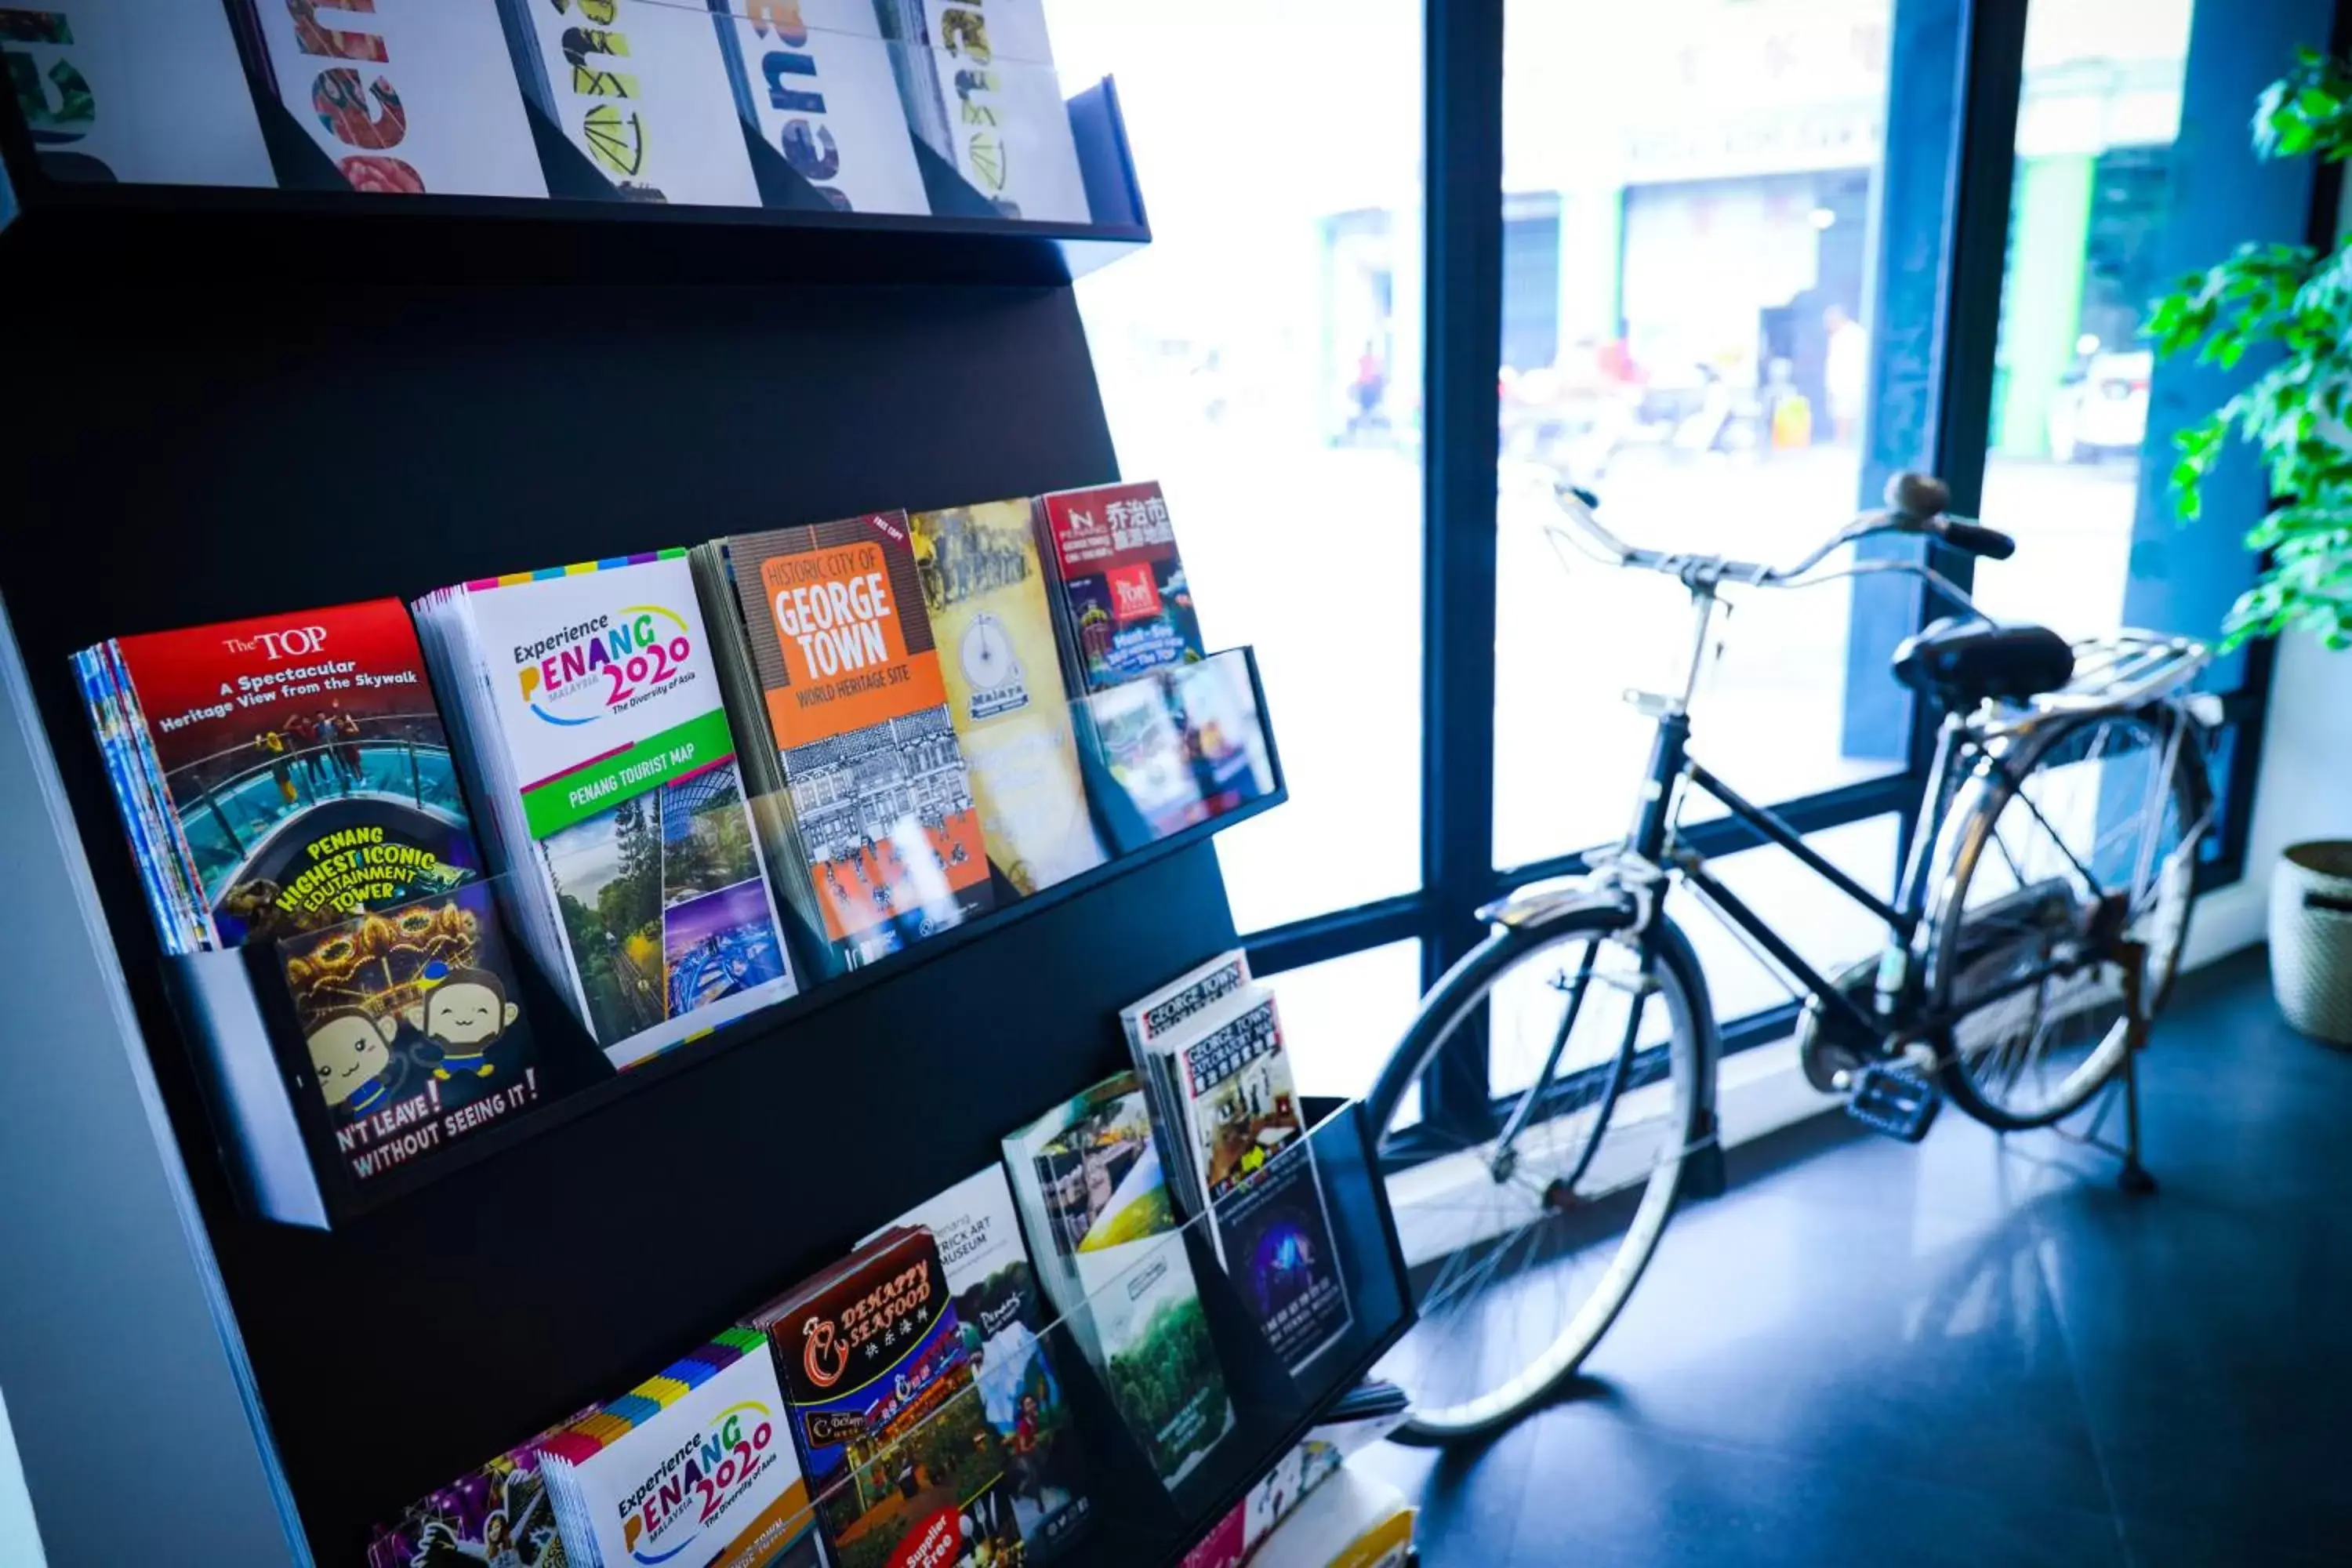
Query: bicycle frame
x: 1673, y: 770
x: 1652, y: 839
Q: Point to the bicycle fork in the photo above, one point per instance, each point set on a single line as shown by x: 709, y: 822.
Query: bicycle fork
x: 1560, y: 1193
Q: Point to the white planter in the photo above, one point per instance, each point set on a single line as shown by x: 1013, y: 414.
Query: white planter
x: 2310, y: 939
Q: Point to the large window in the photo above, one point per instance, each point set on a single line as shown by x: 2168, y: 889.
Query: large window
x: 1702, y: 258
x: 2096, y: 122
x: 1688, y: 326
x: 1262, y: 360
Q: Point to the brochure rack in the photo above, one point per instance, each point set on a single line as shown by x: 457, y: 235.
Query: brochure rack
x: 265, y: 422
x: 280, y: 1145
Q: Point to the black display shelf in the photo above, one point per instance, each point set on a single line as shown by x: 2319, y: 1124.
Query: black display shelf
x: 120, y: 233
x: 271, y: 419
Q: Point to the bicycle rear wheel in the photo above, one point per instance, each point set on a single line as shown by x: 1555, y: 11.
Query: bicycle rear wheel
x: 2085, y: 841
x: 1529, y: 1202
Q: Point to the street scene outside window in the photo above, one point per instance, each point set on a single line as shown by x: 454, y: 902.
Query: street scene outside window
x: 1690, y: 237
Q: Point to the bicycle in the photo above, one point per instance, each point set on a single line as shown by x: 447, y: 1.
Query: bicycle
x: 2035, y: 931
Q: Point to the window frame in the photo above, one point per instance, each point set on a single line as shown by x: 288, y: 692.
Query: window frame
x: 1950, y: 162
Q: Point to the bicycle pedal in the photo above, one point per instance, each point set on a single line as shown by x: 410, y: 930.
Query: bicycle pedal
x: 1894, y: 1101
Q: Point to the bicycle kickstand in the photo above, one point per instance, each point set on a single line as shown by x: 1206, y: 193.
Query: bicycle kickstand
x: 2135, y: 1176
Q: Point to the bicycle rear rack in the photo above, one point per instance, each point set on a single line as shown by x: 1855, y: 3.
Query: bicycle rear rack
x: 2126, y: 669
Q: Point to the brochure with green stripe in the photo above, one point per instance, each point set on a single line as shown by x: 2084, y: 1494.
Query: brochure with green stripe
x: 593, y: 711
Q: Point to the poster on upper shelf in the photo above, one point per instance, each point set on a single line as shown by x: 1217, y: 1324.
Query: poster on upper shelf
x: 114, y: 90
x: 814, y: 83
x: 980, y: 86
x: 403, y: 97
x: 641, y: 88
x: 1124, y: 601
x: 414, y: 1028
x: 282, y: 772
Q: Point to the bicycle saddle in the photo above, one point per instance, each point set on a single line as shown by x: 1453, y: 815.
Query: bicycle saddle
x: 1961, y: 662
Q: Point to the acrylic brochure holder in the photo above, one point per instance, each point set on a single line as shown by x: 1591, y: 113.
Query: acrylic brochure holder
x: 347, y: 1067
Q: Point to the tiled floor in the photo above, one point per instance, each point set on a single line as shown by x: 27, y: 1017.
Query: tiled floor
x: 1973, y: 1353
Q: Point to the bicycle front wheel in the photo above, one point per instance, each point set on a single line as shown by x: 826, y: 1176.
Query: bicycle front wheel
x: 2080, y: 848
x: 1530, y: 1196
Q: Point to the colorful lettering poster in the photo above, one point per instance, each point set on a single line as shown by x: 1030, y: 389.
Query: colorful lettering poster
x: 1005, y: 114
x: 406, y: 97
x: 640, y: 87
x: 114, y: 90
x: 820, y: 91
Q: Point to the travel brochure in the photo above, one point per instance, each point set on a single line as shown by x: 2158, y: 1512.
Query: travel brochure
x: 693, y: 1468
x: 878, y: 1379
x: 1208, y: 1045
x: 598, y: 743
x: 1093, y: 1199
x: 287, y: 782
x: 1005, y: 1321
x: 885, y: 833
x: 822, y: 103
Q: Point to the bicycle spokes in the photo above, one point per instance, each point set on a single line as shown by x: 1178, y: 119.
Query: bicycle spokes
x: 2084, y: 872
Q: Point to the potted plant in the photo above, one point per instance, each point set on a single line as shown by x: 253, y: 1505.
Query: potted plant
x: 2295, y: 302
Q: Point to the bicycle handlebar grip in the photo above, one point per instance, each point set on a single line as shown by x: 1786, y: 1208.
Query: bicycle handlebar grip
x: 1917, y: 496
x: 1976, y: 539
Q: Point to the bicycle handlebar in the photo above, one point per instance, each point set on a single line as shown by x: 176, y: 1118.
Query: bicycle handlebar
x: 1916, y: 503
x: 1976, y: 539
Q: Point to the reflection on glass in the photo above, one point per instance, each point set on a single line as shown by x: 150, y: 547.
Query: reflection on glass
x: 1183, y: 745
x: 2094, y: 135
x: 1686, y: 330
x: 1262, y: 360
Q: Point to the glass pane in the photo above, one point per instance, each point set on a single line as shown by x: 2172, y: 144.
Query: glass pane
x: 1262, y: 360
x: 1830, y: 930
x: 1342, y: 1017
x: 1687, y: 330
x: 2101, y: 108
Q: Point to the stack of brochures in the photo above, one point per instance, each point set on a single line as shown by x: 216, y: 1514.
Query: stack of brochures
x: 590, y: 713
